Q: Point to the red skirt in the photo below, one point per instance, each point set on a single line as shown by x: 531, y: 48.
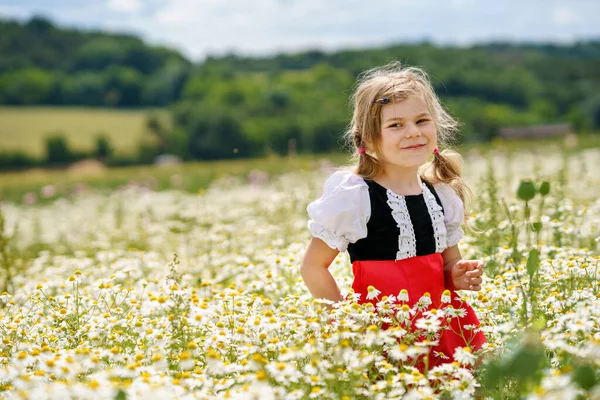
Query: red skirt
x: 419, y: 275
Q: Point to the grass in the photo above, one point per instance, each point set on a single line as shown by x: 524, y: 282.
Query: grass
x: 24, y: 128
x: 193, y: 176
x: 583, y: 141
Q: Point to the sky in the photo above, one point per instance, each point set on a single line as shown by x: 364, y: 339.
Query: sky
x: 264, y: 27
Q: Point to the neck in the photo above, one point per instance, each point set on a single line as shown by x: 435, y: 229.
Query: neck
x: 402, y: 180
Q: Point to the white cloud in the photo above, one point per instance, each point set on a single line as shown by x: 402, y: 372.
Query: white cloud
x: 201, y: 27
x: 127, y: 6
x: 267, y: 26
x: 564, y: 16
x: 263, y: 26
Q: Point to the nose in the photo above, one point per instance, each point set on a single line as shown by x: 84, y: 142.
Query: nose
x: 412, y: 130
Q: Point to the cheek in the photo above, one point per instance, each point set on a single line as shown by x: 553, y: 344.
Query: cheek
x: 386, y: 139
x: 431, y: 133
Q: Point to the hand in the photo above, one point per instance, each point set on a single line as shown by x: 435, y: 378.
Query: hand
x: 466, y: 275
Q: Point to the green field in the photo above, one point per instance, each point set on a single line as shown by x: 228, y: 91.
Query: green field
x: 193, y: 176
x: 24, y: 128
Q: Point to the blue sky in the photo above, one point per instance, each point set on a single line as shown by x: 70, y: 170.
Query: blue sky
x: 259, y: 27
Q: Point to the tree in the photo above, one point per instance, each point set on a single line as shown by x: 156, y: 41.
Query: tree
x: 57, y: 149
x: 159, y: 131
x: 84, y: 88
x: 165, y: 86
x: 103, y: 148
x: 125, y: 85
x: 25, y: 87
x: 98, y: 54
x: 39, y: 25
x: 327, y: 136
x: 214, y: 136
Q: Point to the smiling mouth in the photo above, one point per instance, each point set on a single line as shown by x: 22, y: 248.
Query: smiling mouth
x: 415, y: 147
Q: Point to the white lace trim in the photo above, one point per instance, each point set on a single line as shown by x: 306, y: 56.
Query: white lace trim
x: 332, y: 240
x: 407, y: 242
x: 437, y: 219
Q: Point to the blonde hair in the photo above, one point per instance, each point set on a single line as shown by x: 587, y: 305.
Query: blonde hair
x: 396, y: 82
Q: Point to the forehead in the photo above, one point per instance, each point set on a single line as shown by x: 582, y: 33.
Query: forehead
x: 408, y: 108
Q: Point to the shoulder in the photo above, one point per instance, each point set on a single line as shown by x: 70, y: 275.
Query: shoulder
x: 345, y: 179
x: 341, y: 214
x: 343, y: 187
x: 446, y: 193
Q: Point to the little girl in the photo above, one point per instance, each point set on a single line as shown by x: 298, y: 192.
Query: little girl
x: 400, y: 225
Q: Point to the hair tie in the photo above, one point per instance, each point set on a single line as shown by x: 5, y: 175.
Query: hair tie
x: 361, y: 150
x: 436, y: 150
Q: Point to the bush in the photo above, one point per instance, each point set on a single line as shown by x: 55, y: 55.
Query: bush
x: 146, y: 152
x: 57, y: 149
x: 216, y: 135
x: 16, y: 160
x: 103, y: 148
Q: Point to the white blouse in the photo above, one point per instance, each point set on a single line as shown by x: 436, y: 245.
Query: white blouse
x: 341, y: 214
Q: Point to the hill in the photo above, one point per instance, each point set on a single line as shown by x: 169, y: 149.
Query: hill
x: 45, y: 64
x: 235, y: 106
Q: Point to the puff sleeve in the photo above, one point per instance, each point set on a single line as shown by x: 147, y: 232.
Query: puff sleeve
x: 453, y: 213
x: 340, y: 215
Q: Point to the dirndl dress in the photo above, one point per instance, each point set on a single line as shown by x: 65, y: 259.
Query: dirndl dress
x: 395, y: 242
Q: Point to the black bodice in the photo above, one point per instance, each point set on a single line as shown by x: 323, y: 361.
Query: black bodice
x: 381, y: 242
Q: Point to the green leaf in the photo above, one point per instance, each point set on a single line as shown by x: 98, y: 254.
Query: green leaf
x: 532, y: 262
x: 585, y: 377
x: 493, y: 373
x: 121, y: 395
x: 525, y: 364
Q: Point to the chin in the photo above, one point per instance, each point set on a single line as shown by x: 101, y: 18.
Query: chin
x: 414, y: 161
x: 405, y: 159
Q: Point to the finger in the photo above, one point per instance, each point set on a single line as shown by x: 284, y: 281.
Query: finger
x: 474, y: 287
x: 473, y: 265
x: 474, y: 274
x: 476, y: 281
x: 461, y: 265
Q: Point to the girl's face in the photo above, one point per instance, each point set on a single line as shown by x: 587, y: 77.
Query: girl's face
x: 408, y: 133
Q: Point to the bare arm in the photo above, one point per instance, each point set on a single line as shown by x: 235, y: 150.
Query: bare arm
x: 461, y: 274
x: 315, y: 272
x: 451, y: 256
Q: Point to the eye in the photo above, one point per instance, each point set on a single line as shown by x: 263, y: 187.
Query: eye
x: 396, y: 125
x: 422, y: 120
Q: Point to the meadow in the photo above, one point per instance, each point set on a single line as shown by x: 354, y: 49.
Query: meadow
x: 41, y: 185
x: 139, y: 293
x: 24, y: 128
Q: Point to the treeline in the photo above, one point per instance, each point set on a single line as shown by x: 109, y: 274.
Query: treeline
x: 264, y: 104
x: 236, y: 106
x: 41, y: 64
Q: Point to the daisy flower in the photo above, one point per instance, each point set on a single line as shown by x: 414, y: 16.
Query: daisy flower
x: 428, y: 324
x: 372, y: 292
x: 464, y: 356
